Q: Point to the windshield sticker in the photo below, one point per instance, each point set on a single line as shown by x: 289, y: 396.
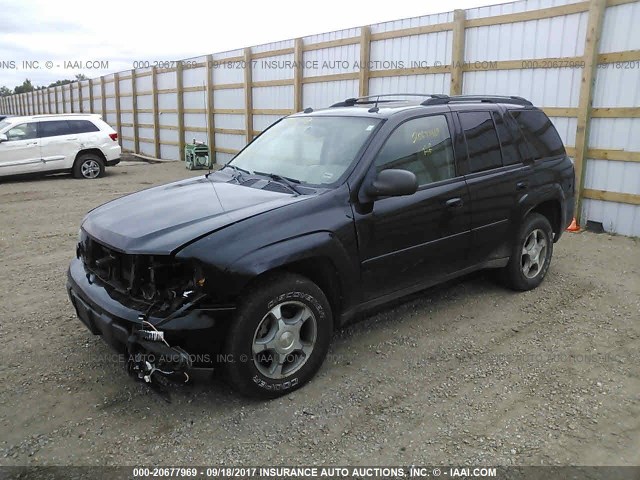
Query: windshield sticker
x: 369, y: 128
x: 327, y: 175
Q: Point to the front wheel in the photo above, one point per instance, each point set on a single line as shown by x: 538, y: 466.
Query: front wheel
x: 279, y: 337
x: 531, y: 254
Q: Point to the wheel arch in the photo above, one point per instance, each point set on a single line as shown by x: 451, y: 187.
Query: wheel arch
x: 551, y: 209
x: 320, y: 270
x: 319, y: 256
x: 95, y: 151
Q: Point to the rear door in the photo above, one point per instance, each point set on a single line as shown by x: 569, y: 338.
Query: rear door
x: 59, y: 144
x: 21, y: 152
x: 416, y: 239
x: 497, y: 179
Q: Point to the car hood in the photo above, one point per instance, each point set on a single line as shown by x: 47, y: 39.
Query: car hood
x: 160, y: 220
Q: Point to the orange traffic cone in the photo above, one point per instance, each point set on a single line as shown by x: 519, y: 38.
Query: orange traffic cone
x: 574, y: 227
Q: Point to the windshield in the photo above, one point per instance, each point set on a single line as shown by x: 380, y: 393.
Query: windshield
x: 4, y: 124
x: 313, y: 150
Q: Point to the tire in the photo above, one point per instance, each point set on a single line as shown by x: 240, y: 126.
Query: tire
x: 89, y: 166
x: 525, y: 270
x: 262, y: 356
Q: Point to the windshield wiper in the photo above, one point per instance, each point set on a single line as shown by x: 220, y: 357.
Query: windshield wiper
x: 289, y: 182
x: 238, y: 172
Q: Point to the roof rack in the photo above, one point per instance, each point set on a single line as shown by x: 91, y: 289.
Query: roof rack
x: 385, y: 98
x: 441, y: 99
x: 68, y: 114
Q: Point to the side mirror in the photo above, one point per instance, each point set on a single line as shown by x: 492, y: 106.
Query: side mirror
x: 393, y: 183
x: 3, y: 138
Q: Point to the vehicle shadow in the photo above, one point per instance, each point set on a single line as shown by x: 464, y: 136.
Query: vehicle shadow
x: 476, y: 283
x: 210, y: 388
x: 31, y: 177
x: 41, y: 177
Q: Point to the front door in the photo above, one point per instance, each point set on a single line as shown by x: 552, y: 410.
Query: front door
x: 417, y: 239
x: 20, y: 153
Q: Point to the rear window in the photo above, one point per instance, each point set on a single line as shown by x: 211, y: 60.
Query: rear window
x: 541, y: 135
x: 56, y: 128
x: 483, y: 146
x: 81, y: 126
x: 53, y: 128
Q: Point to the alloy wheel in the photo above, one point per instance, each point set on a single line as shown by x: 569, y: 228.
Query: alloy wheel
x: 284, y: 339
x: 90, y: 169
x: 534, y: 253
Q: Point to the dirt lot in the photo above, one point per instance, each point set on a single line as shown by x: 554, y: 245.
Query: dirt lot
x: 467, y: 373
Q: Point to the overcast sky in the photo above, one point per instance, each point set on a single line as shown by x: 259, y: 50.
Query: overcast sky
x: 122, y: 32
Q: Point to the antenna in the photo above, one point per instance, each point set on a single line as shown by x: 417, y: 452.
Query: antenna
x: 206, y: 115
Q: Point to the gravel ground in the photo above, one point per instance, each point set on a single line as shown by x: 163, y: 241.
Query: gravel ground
x: 466, y: 373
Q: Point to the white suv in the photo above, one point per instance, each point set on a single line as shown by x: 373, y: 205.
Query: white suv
x: 79, y: 143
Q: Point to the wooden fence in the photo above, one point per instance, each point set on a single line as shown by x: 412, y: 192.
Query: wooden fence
x: 141, y: 127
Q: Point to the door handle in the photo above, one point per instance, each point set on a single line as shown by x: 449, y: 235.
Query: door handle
x: 71, y: 139
x: 454, y: 203
x: 522, y: 186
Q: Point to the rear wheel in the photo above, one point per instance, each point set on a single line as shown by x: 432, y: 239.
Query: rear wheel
x: 279, y: 338
x: 88, y: 165
x: 531, y: 254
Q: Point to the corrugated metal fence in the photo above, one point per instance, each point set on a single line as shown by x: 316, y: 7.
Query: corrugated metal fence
x: 578, y: 60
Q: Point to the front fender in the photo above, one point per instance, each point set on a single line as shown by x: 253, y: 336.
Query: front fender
x: 322, y: 244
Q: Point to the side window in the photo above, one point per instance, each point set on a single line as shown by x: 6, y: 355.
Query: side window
x: 510, y: 155
x: 81, y: 126
x: 24, y: 131
x: 483, y: 147
x: 541, y: 135
x: 54, y: 128
x: 422, y: 146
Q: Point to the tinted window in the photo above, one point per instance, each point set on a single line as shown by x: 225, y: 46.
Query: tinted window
x: 54, y: 128
x: 521, y: 143
x: 510, y: 153
x: 24, y: 131
x: 541, y: 135
x: 81, y: 126
x: 422, y: 146
x: 483, y: 147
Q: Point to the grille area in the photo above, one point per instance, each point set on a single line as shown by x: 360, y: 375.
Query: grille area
x: 147, y: 278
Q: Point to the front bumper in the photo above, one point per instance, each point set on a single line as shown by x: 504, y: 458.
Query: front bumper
x: 199, y: 330
x: 113, y: 163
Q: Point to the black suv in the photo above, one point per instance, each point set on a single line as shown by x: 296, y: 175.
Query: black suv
x: 325, y: 214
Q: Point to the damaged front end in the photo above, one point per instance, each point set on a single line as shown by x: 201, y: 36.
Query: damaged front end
x: 155, y: 308
x: 159, y: 280
x: 152, y: 360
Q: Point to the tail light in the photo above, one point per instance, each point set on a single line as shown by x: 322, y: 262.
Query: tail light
x: 114, y: 136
